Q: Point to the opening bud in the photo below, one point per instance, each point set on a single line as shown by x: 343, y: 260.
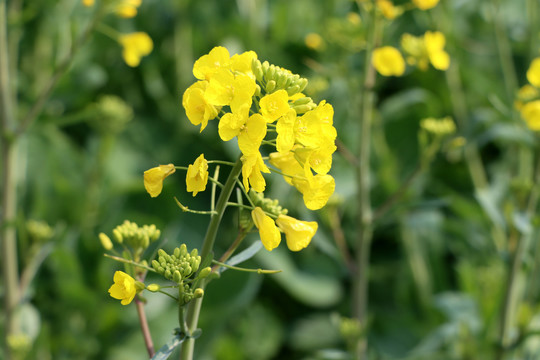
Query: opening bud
x: 153, y: 287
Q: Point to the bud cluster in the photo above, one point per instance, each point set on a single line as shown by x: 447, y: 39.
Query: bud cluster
x: 39, y: 231
x: 270, y: 206
x: 131, y: 234
x: 274, y: 78
x: 179, y: 266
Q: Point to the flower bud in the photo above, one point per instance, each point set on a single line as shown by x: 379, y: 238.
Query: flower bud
x: 177, y: 277
x: 105, y: 241
x: 270, y: 86
x: 295, y: 89
x: 256, y: 68
x: 153, y: 287
x: 205, y: 272
x: 117, y: 236
x: 139, y: 286
x: 198, y: 293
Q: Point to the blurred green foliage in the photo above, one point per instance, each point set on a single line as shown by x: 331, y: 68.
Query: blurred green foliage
x: 437, y: 281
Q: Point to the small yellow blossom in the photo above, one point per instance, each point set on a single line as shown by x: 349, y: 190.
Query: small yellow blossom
x: 232, y: 123
x: 425, y: 4
x: 252, y: 134
x: 525, y: 94
x: 153, y: 178
x: 285, y: 132
x: 316, y: 190
x: 270, y: 235
x: 354, y: 18
x: 197, y: 175
x: 208, y: 64
x: 287, y: 164
x: 533, y: 74
x: 274, y: 106
x: 388, y: 61
x: 127, y: 8
x: 297, y: 233
x: 135, y: 46
x: 530, y: 112
x: 88, y: 3
x: 124, y: 287
x: 198, y: 110
x: 435, y: 41
x: 314, y: 41
x: 252, y: 166
x: 388, y: 9
x: 242, y: 62
x: 227, y: 88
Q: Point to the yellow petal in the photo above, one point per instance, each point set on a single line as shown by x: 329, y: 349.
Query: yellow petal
x: 153, y: 178
x: 270, y: 235
x: 388, y: 61
x: 297, y: 233
x: 533, y: 74
x: 197, y: 175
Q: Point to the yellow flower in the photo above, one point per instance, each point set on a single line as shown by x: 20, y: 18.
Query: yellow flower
x: 232, y: 123
x: 285, y: 132
x: 533, y: 74
x: 354, y: 18
x: 425, y: 4
x: 252, y: 166
x: 270, y: 235
x: 274, y: 106
x: 198, y: 110
x: 207, y: 65
x: 297, y: 233
x: 226, y: 88
x: 136, y: 45
x: 88, y: 3
x: 314, y: 41
x: 388, y: 9
x: 388, y: 61
x: 197, y: 175
x: 287, y: 164
x: 525, y: 94
x: 252, y: 134
x: 316, y: 190
x: 530, y: 112
x: 434, y: 42
x: 127, y: 8
x: 242, y: 62
x: 415, y: 49
x: 153, y: 178
x: 124, y: 287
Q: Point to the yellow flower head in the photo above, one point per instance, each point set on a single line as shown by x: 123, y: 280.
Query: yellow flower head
x: 136, y: 45
x: 124, y: 287
x: 270, y: 235
x: 197, y: 175
x: 198, y: 110
x: 231, y: 124
x: 434, y: 42
x: 252, y: 166
x: 525, y: 94
x: 316, y: 190
x: 533, y: 74
x: 314, y: 41
x: 252, y: 135
x: 207, y: 65
x: 285, y: 132
x: 297, y: 233
x: 388, y: 9
x: 88, y: 3
x: 425, y: 4
x: 227, y: 88
x: 530, y: 112
x: 153, y: 178
x: 242, y: 62
x: 275, y: 105
x: 388, y: 61
x: 127, y: 8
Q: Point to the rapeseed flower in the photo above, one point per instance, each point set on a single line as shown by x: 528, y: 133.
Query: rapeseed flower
x: 197, y: 175
x: 425, y: 4
x: 388, y: 61
x: 270, y: 235
x: 274, y: 106
x: 298, y: 234
x: 198, y: 110
x: 530, y: 112
x: 314, y: 41
x: 88, y: 3
x: 124, y: 287
x: 533, y: 73
x: 153, y: 178
x: 127, y: 8
x: 135, y: 46
x: 422, y: 51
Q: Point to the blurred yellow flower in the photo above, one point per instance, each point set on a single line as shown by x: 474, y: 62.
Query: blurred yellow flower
x: 198, y: 110
x: 354, y: 18
x: 388, y: 61
x: 525, y: 94
x: 123, y: 288
x: 314, y: 41
x: 530, y: 112
x: 197, y: 175
x: 388, y: 9
x: 136, y: 45
x: 533, y: 74
x: 425, y: 4
x: 297, y: 233
x: 88, y: 3
x: 269, y: 233
x: 127, y: 8
x: 435, y: 42
x: 153, y: 178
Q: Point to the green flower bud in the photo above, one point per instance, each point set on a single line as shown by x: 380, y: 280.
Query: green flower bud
x: 198, y: 293
x: 205, y: 272
x: 265, y: 66
x: 105, y: 241
x: 270, y: 86
x: 177, y: 278
x: 177, y: 252
x: 302, y: 101
x: 302, y: 83
x: 295, y: 89
x: 117, y: 236
x: 183, y: 249
x: 194, y: 252
x: 281, y: 81
x: 153, y: 287
x: 139, y: 286
x: 257, y: 90
x: 302, y: 109
x: 156, y: 265
x: 168, y: 274
x: 270, y: 73
x: 257, y: 69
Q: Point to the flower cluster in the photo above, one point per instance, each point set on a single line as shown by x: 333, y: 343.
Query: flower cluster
x: 528, y: 97
x: 419, y: 51
x: 252, y: 100
x: 132, y: 237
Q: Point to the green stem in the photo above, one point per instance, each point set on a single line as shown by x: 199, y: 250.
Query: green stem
x: 258, y: 271
x: 364, y: 220
x: 10, y: 274
x: 194, y: 307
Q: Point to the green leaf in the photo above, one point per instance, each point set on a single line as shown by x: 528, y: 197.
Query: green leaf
x: 243, y: 255
x: 165, y: 351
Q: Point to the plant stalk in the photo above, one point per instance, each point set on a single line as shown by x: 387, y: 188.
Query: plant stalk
x: 144, y: 327
x: 194, y: 306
